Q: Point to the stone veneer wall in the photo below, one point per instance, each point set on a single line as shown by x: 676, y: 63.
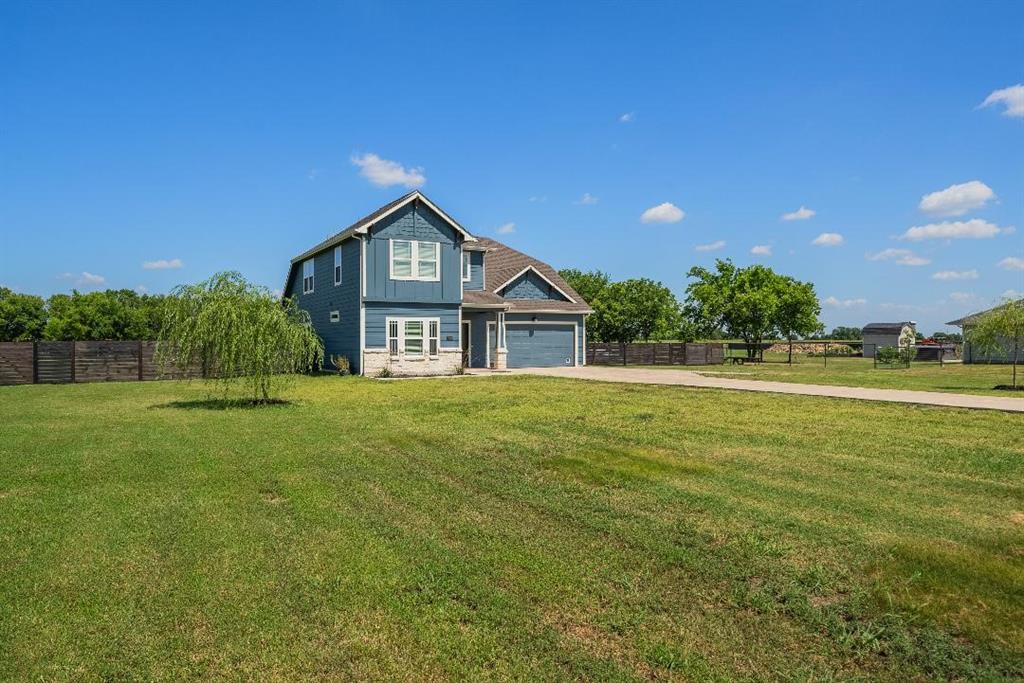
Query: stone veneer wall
x: 446, y: 363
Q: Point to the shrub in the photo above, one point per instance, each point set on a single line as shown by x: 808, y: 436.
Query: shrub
x: 341, y: 364
x: 385, y: 372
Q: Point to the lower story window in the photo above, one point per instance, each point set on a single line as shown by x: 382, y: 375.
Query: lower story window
x: 393, y: 337
x: 413, y: 337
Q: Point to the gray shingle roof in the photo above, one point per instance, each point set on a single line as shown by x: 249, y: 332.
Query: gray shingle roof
x: 972, y: 318
x: 886, y: 328
x: 503, y: 263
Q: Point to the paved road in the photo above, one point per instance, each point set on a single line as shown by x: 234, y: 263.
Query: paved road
x: 692, y: 379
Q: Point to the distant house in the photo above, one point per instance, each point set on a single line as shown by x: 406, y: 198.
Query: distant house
x: 410, y: 289
x: 973, y: 355
x: 877, y: 335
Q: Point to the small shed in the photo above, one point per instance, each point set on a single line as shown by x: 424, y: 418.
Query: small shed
x: 973, y: 355
x: 877, y: 335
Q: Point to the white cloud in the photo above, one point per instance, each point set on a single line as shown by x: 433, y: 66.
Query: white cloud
x: 962, y: 297
x: 801, y: 214
x: 587, y: 199
x: 956, y: 200
x: 141, y: 289
x: 712, y: 246
x: 628, y: 117
x: 1013, y: 294
x: 83, y: 279
x: 666, y: 212
x: 1012, y: 98
x: 955, y: 275
x: 506, y: 229
x: 844, y: 303
x: 761, y: 250
x: 163, y: 264
x: 384, y: 173
x: 1012, y: 263
x: 975, y: 228
x: 828, y: 239
x: 903, y: 257
x: 538, y: 198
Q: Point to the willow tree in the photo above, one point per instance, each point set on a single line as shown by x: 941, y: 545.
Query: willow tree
x: 1001, y: 330
x: 239, y: 334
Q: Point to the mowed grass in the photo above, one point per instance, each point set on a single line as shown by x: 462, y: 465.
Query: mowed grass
x: 860, y: 372
x: 505, y: 528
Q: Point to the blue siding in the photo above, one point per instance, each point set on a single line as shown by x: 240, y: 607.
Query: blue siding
x: 476, y: 271
x: 413, y: 222
x: 568, y: 318
x: 529, y: 285
x: 341, y: 338
x: 377, y: 315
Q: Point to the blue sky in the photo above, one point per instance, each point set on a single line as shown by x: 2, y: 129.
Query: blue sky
x: 197, y: 137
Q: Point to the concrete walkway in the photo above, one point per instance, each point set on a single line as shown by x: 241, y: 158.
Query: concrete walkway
x: 692, y: 379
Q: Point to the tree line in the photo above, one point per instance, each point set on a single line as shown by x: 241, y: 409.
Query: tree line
x: 112, y: 314
x: 753, y: 304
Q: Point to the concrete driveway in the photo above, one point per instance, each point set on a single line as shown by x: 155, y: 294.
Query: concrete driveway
x: 603, y: 373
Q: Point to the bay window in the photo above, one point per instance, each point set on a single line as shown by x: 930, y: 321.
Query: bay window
x: 415, y: 260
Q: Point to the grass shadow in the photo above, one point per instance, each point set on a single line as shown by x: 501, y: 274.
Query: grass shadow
x: 224, y: 404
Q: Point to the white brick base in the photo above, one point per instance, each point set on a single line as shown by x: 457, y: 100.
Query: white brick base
x: 446, y: 363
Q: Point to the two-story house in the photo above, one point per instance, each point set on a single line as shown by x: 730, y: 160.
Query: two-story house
x: 409, y: 288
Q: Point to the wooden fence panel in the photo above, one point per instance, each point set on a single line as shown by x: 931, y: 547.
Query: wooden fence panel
x: 55, y: 362
x: 16, y: 362
x: 599, y: 353
x: 107, y: 361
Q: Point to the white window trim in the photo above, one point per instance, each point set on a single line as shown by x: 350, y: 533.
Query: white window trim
x: 414, y: 276
x: 467, y: 266
x: 311, y: 276
x: 337, y: 266
x: 402, y: 355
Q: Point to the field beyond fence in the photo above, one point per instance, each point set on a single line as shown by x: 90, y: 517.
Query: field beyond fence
x: 63, y: 362
x: 599, y: 353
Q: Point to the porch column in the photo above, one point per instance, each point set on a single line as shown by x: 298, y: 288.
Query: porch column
x: 500, y: 353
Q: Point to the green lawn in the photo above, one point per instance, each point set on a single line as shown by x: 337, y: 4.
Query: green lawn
x: 505, y: 528
x: 860, y: 372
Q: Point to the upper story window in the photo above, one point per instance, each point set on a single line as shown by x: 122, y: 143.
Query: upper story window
x: 307, y: 276
x: 465, y: 267
x: 337, y: 265
x: 413, y: 260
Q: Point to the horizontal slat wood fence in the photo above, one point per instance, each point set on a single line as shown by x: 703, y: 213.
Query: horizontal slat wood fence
x: 63, y: 362
x: 599, y: 353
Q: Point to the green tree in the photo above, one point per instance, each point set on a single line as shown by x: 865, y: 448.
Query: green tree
x: 797, y: 311
x: 635, y: 309
x: 999, y: 329
x: 240, y: 332
x: 589, y: 285
x: 22, y: 316
x: 846, y: 333
x: 116, y: 314
x: 742, y: 301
